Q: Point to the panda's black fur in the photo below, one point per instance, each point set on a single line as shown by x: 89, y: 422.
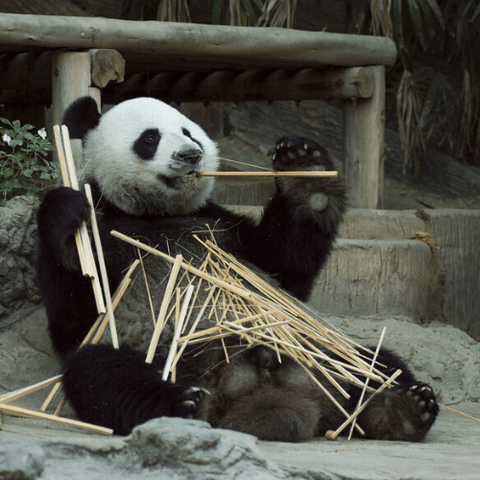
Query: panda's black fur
x: 136, y: 158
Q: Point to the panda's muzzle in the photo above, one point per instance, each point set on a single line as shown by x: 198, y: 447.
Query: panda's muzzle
x: 192, y: 156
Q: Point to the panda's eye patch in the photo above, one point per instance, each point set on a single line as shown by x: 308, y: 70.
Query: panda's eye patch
x: 146, y: 144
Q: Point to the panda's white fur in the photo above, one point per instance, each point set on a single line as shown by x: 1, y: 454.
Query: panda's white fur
x: 156, y: 186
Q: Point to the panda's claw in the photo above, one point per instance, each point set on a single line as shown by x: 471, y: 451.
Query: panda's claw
x: 187, y: 400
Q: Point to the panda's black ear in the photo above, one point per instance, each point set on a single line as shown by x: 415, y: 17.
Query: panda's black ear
x: 81, y: 116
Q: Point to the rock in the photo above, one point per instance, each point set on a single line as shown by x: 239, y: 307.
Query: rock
x: 18, y: 240
x: 167, y: 448
x: 19, y: 459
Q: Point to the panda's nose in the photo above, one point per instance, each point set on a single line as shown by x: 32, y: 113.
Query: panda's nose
x: 190, y: 155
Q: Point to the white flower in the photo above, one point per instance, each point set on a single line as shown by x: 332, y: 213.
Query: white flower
x: 6, y: 139
x: 43, y: 133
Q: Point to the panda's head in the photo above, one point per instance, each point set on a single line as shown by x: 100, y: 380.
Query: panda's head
x: 141, y: 152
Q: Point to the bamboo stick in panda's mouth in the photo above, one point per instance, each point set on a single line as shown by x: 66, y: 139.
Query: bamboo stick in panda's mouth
x: 304, y: 174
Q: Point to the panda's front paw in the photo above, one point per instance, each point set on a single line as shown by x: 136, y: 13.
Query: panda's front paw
x: 186, y: 399
x: 301, y: 154
x: 425, y: 402
x: 298, y: 153
x: 61, y: 212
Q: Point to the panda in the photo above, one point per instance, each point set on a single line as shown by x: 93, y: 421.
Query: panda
x: 140, y: 158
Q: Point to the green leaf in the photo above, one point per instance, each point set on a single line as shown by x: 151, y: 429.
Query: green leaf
x: 476, y: 12
x: 216, y: 12
x: 6, y: 121
x: 398, y: 24
x: 250, y: 11
x: 16, y: 142
x: 9, y: 172
x: 438, y: 13
x: 416, y: 17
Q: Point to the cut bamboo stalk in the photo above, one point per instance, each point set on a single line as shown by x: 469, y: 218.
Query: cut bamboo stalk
x: 163, y: 308
x: 50, y: 397
x: 450, y: 409
x: 103, y: 267
x: 18, y: 411
x: 334, y: 435
x: 360, y: 400
x: 193, y: 327
x: 239, y: 173
x: 178, y: 331
x: 186, y: 266
x: 69, y: 178
x: 147, y: 286
x: 12, y: 396
x: 330, y: 396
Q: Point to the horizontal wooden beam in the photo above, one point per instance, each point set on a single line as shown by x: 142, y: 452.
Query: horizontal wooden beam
x: 343, y: 83
x: 189, y: 47
x: 33, y: 70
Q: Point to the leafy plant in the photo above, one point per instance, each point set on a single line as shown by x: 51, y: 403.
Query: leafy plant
x: 272, y: 13
x: 24, y: 167
x: 438, y: 97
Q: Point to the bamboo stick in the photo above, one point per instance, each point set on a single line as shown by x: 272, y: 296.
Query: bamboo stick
x: 147, y: 286
x: 103, y: 268
x: 18, y: 411
x: 360, y: 400
x: 178, y: 331
x: 163, y: 308
x: 450, y: 409
x: 333, y: 435
x: 12, y: 396
x: 196, y: 271
x: 82, y: 239
x: 306, y: 174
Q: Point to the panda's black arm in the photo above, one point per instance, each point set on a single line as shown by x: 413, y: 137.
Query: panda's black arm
x: 67, y: 295
x: 292, y: 244
x: 300, y: 223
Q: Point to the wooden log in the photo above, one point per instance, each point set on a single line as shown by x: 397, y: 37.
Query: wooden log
x: 70, y: 80
x: 364, y: 146
x: 107, y: 66
x: 34, y: 70
x: 201, y: 47
x: 252, y: 85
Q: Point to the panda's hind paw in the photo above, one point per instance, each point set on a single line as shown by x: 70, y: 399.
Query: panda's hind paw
x: 425, y: 401
x: 187, y: 399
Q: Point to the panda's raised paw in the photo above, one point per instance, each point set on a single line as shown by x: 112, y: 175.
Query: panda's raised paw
x: 187, y: 399
x: 298, y: 153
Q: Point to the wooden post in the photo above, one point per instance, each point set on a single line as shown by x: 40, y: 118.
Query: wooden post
x: 364, y: 150
x: 71, y: 78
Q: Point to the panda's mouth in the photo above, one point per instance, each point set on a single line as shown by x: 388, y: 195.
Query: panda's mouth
x: 177, y: 182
